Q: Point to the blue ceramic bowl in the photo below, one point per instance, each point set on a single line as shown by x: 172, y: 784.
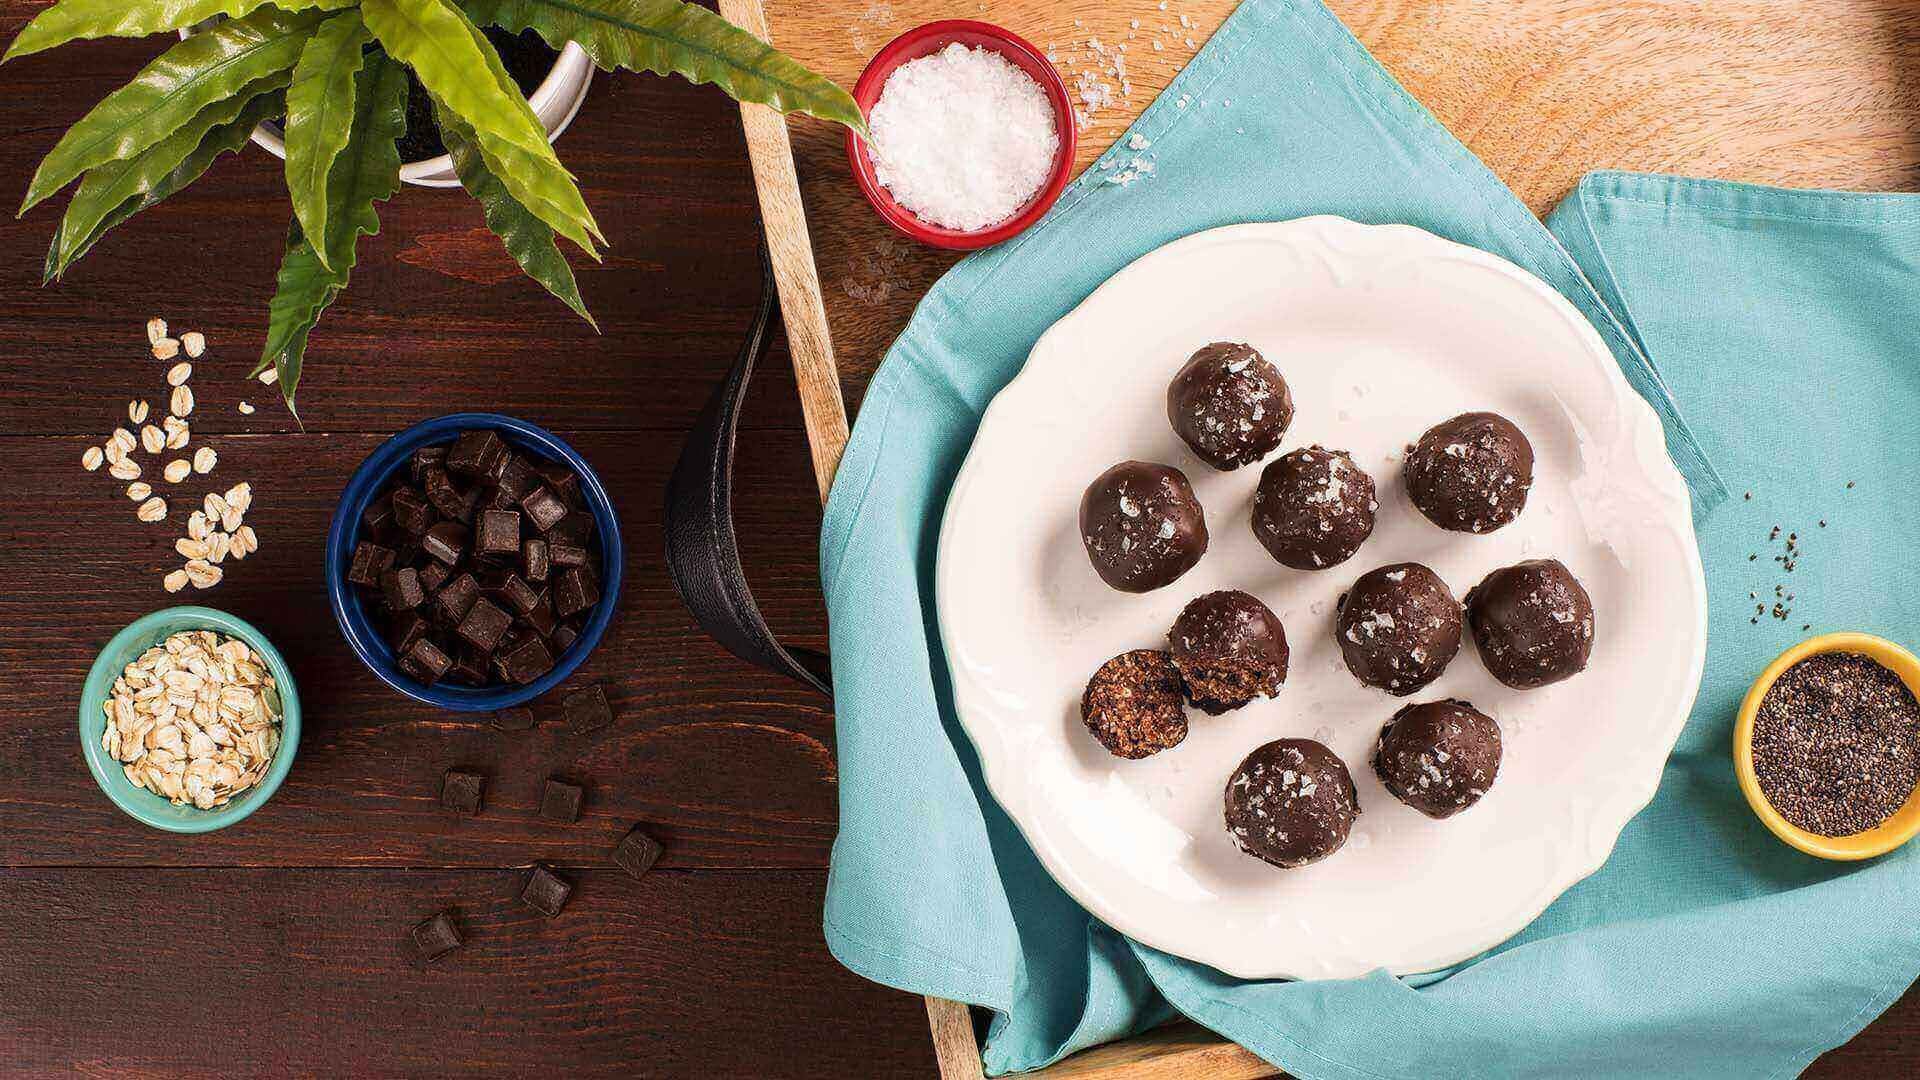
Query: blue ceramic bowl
x: 139, y: 803
x: 356, y: 617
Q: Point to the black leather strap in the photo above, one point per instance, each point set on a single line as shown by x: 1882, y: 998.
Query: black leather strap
x: 702, y: 554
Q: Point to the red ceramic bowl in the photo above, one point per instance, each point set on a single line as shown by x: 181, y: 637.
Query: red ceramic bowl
x: 924, y: 41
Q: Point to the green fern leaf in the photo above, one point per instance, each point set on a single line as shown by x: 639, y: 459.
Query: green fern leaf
x: 525, y: 236
x: 320, y: 112
x: 672, y: 37
x: 224, y: 139
x: 366, y: 172
x: 456, y: 64
x: 173, y: 89
x: 78, y: 20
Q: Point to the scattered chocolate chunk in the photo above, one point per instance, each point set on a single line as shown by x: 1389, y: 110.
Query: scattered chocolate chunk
x: 483, y: 627
x: 536, y: 559
x: 544, y: 508
x: 586, y: 710
x: 456, y: 598
x: 524, y: 662
x: 434, y: 575
x: 477, y: 453
x: 636, y: 852
x: 499, y: 533
x: 460, y: 791
x: 436, y: 937
x: 411, y: 511
x: 517, y: 595
x: 446, y: 541
x: 560, y: 801
x: 402, y: 589
x: 519, y: 718
x: 574, y: 592
x: 424, y: 661
x: 370, y: 560
x: 546, y: 892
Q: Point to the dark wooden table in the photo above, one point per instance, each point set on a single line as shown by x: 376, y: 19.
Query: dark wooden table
x: 275, y: 946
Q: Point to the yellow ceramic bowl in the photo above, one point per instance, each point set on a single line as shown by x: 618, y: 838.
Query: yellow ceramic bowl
x: 1878, y: 840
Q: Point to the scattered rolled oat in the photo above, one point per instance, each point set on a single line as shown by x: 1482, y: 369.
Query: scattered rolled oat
x: 182, y: 403
x: 240, y: 497
x: 153, y: 509
x: 152, y: 439
x: 166, y: 348
x: 124, y: 469
x: 124, y: 439
x: 246, y: 409
x: 156, y: 330
x: 177, y: 470
x: 202, y: 574
x: 175, y: 581
x: 194, y: 342
x: 204, y: 459
x: 270, y: 376
x: 218, y: 547
x: 197, y: 525
x: 177, y: 432
x: 178, y: 374
x: 138, y: 490
x: 245, y: 542
x: 91, y: 458
x: 195, y: 719
x: 214, y: 505
x: 137, y: 411
x: 191, y: 547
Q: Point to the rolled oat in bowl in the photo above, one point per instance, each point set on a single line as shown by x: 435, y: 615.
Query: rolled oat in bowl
x: 195, y: 719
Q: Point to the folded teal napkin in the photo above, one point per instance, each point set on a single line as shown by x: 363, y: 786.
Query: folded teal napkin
x: 1778, y: 320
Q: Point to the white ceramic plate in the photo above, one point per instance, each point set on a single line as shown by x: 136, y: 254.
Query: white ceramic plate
x: 1381, y: 331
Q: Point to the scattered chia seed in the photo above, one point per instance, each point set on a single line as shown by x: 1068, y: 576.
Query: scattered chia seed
x: 1836, y: 744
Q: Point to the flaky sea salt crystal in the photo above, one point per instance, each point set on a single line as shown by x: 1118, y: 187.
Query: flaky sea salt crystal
x: 962, y: 138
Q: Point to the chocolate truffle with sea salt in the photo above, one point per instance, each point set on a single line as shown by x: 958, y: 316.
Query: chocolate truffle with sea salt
x: 1132, y: 704
x: 1470, y: 473
x: 1230, y: 405
x: 1399, y: 627
x: 1532, y: 622
x: 1141, y: 525
x: 1290, y: 803
x: 1313, y: 508
x: 1230, y: 648
x: 1438, y: 757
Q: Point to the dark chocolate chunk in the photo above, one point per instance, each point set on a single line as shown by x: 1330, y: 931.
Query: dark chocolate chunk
x: 406, y: 628
x: 541, y: 620
x: 546, y: 892
x: 460, y: 791
x: 446, y: 541
x: 411, y: 510
x: 544, y: 508
x: 499, y: 533
x: 517, y: 480
x: 436, y: 937
x: 477, y: 453
x: 563, y: 637
x: 525, y: 662
x: 402, y: 589
x: 536, y: 559
x: 574, y: 591
x: 562, y: 480
x: 586, y: 710
x: 470, y: 669
x: 517, y: 595
x: 470, y: 500
x: 425, y: 662
x: 576, y: 528
x: 426, y: 458
x: 636, y: 852
x: 456, y: 598
x: 560, y: 801
x: 433, y: 575
x: 515, y: 719
x: 444, y: 497
x: 370, y: 560
x: 483, y: 625
x: 564, y: 553
x: 378, y: 515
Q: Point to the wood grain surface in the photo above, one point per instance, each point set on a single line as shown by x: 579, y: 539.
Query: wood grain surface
x: 274, y: 947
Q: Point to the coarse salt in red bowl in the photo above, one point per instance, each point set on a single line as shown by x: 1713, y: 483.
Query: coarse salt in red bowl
x: 925, y: 41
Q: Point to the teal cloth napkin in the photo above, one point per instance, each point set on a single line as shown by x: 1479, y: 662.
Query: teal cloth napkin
x: 1779, y: 320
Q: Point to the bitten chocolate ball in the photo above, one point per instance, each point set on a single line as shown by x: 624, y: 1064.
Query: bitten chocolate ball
x: 1313, y: 508
x: 1230, y: 648
x: 1438, y: 757
x: 1142, y: 526
x: 1230, y: 405
x: 1290, y: 803
x: 1132, y: 704
x: 1533, y: 623
x: 1470, y: 473
x: 1399, y: 627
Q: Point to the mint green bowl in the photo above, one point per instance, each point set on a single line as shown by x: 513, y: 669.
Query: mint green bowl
x: 139, y: 803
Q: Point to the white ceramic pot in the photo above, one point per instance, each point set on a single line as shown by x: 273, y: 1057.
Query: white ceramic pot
x: 556, y: 102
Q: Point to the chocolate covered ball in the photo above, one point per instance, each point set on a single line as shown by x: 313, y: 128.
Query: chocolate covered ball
x: 1290, y: 803
x: 1230, y: 405
x: 1142, y: 526
x: 1470, y: 473
x: 1230, y: 648
x: 1533, y: 623
x: 1132, y: 704
x: 1399, y: 626
x: 1313, y: 508
x: 1438, y: 757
